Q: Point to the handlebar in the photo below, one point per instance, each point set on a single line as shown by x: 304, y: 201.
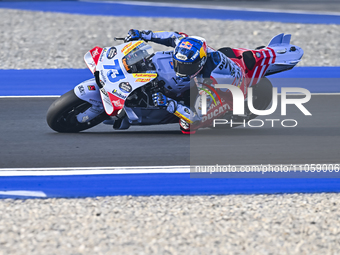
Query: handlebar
x: 118, y: 38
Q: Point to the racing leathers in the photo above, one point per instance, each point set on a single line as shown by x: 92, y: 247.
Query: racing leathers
x: 217, y: 68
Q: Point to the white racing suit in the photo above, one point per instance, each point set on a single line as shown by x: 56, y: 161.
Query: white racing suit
x: 218, y: 68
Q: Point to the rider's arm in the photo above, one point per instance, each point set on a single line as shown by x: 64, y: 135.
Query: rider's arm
x: 222, y: 70
x: 161, y: 37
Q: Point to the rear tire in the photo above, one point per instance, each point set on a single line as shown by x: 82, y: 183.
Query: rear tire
x: 61, y: 116
x: 262, y: 96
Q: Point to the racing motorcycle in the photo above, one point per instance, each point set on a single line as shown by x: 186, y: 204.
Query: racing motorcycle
x: 127, y: 75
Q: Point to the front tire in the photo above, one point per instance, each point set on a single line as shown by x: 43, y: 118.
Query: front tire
x: 61, y: 116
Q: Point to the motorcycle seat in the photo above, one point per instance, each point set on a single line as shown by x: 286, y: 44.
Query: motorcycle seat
x: 248, y: 57
x: 228, y: 52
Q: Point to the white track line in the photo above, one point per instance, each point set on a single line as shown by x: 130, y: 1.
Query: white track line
x: 68, y: 171
x: 23, y: 193
x: 92, y: 170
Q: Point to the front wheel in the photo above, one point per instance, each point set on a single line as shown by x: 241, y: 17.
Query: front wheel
x: 62, y: 114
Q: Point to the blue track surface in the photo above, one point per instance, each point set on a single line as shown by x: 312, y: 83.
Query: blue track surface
x: 40, y: 82
x: 59, y: 81
x: 161, y: 184
x: 118, y: 9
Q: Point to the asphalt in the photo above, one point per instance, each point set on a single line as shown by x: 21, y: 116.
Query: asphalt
x: 27, y: 141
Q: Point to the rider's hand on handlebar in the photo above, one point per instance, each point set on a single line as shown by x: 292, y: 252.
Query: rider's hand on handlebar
x: 159, y: 99
x: 133, y: 35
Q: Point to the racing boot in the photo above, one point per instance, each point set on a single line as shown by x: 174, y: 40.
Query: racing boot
x: 186, y: 115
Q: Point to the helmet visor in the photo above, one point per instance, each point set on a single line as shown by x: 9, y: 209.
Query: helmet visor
x: 185, y: 69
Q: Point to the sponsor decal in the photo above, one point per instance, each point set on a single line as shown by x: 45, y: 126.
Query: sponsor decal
x: 111, y: 53
x: 143, y: 80
x: 187, y: 110
x: 183, y: 117
x: 91, y: 87
x: 102, y: 55
x: 214, y: 113
x: 81, y: 90
x: 118, y: 94
x: 129, y: 47
x: 171, y: 64
x: 116, y: 73
x: 194, y: 56
x: 126, y: 46
x: 125, y: 87
x: 181, y: 56
x: 144, y: 75
x: 106, y: 101
x: 186, y: 45
x: 104, y: 92
x: 117, y: 103
x: 102, y: 75
x: 224, y: 64
x: 232, y: 71
x: 95, y: 53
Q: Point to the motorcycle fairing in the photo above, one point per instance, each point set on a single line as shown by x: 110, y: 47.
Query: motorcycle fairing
x: 89, y: 92
x: 91, y: 58
x: 114, y: 77
x: 278, y: 56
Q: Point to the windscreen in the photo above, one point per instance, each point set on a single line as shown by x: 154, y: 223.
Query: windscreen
x: 141, y: 51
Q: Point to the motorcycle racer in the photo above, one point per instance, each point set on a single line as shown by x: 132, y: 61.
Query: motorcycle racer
x: 192, y: 60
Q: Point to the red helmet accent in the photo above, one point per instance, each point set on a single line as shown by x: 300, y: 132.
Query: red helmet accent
x: 205, y: 46
x: 184, y: 34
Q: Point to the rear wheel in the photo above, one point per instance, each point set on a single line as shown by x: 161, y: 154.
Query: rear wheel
x: 61, y: 116
x: 262, y: 96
